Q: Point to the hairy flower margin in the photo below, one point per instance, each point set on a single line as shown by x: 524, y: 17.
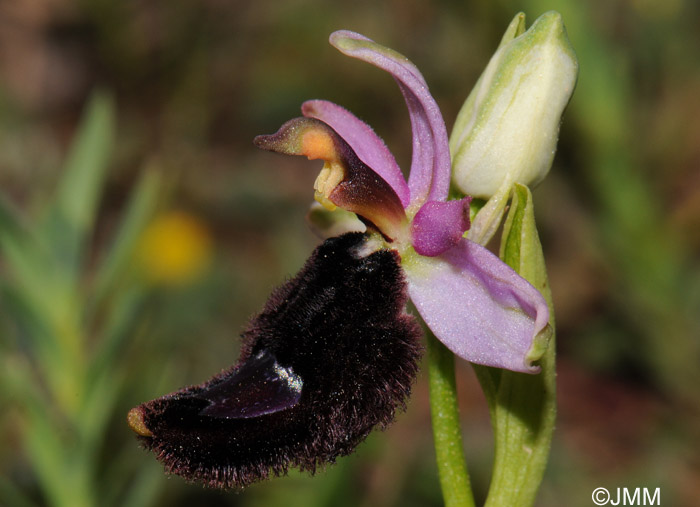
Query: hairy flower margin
x: 480, y: 308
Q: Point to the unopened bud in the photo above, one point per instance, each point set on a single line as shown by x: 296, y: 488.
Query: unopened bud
x: 507, y: 130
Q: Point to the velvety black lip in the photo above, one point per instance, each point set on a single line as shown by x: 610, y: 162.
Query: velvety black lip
x: 331, y: 356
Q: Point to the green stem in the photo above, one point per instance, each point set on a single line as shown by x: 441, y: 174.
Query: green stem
x: 452, y: 469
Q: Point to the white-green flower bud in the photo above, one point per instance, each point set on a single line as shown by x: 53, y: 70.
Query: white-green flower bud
x: 507, y: 130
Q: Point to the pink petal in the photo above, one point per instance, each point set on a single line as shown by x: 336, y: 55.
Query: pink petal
x: 430, y: 168
x: 480, y: 308
x: 367, y: 145
x: 439, y: 225
x: 348, y: 183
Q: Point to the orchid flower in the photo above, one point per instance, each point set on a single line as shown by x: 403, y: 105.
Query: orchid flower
x: 480, y: 308
x: 333, y: 353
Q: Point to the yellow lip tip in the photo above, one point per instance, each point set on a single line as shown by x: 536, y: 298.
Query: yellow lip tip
x: 136, y: 422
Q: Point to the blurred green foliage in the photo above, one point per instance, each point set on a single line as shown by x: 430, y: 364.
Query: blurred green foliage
x: 85, y: 335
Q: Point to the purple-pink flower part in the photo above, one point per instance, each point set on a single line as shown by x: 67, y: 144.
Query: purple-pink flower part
x: 439, y: 225
x: 474, y: 303
x: 333, y: 353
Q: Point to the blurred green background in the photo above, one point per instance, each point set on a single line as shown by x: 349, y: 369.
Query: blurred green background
x: 133, y: 249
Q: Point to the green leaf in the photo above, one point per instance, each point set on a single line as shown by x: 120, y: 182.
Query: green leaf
x: 523, y: 407
x: 70, y: 217
x: 30, y: 281
x: 42, y: 437
x: 24, y: 255
x: 140, y: 211
x: 116, y: 298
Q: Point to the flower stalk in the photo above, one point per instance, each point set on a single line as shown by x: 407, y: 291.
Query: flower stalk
x: 447, y: 436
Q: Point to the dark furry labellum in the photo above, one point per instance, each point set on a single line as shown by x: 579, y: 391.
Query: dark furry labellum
x: 331, y: 356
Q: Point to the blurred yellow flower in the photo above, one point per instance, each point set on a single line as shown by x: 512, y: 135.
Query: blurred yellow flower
x: 174, y: 249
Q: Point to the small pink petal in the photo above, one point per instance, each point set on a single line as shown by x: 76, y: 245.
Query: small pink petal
x: 351, y: 184
x: 367, y: 145
x: 430, y: 168
x: 439, y: 225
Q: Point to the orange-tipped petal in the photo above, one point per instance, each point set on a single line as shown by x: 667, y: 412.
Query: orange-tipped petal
x: 345, y: 181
